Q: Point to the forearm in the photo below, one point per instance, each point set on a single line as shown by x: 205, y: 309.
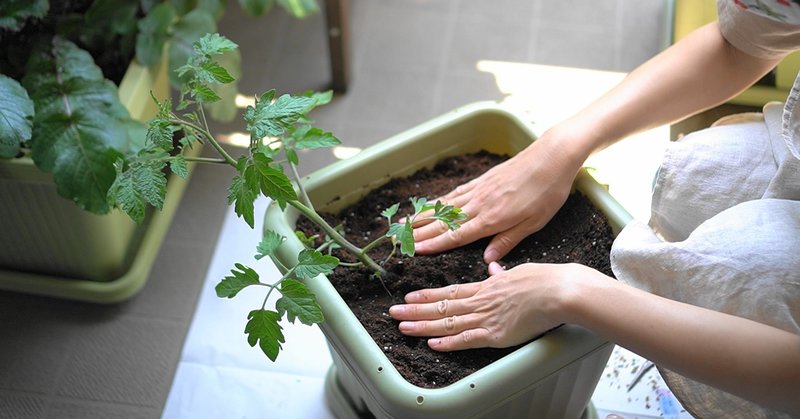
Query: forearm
x: 746, y: 358
x: 699, y: 72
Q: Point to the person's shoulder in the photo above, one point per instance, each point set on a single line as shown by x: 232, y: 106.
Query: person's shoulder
x: 785, y: 11
x: 761, y: 28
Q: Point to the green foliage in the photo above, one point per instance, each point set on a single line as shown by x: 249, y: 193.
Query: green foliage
x: 403, y: 233
x: 16, y: 117
x: 298, y: 302
x: 79, y: 128
x: 241, y: 278
x: 14, y: 13
x: 263, y: 329
x: 279, y: 126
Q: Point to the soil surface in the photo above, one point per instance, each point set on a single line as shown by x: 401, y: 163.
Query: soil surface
x: 578, y: 233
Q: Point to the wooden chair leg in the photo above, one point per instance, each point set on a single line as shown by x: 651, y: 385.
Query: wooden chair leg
x: 338, y: 43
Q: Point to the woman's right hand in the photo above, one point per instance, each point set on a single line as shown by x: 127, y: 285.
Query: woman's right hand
x: 510, y: 201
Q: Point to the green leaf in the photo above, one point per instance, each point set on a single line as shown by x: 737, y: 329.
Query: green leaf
x: 122, y: 194
x: 144, y: 182
x: 241, y: 278
x: 298, y: 302
x: 212, y: 72
x: 116, y: 16
x: 403, y: 234
x: 14, y: 13
x: 450, y: 215
x: 269, y: 244
x: 311, y: 263
x: 242, y: 195
x: 391, y: 211
x: 291, y: 155
x: 179, y: 166
x: 153, y: 33
x: 270, y: 118
x: 203, y: 93
x: 256, y: 7
x: 263, y: 329
x: 314, y: 138
x: 80, y: 129
x: 419, y: 204
x: 16, y: 116
x: 274, y: 183
x: 186, y: 31
x: 225, y: 109
x: 300, y: 8
x: 306, y: 240
x: 214, y: 44
x: 159, y: 133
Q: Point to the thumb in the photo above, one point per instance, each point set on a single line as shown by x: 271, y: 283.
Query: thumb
x: 495, y: 268
x: 503, y: 242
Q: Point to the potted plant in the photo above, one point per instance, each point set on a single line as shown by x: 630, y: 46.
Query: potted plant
x: 65, y: 124
x: 553, y: 376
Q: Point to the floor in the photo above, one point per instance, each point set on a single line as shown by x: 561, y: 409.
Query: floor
x: 411, y: 60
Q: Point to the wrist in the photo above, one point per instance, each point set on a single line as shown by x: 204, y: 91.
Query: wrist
x: 581, y: 290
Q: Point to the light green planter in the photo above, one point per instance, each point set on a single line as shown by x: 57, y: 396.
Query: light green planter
x: 552, y: 377
x: 52, y: 247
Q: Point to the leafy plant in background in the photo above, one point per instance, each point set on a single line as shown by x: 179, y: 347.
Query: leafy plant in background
x: 278, y: 127
x: 59, y: 107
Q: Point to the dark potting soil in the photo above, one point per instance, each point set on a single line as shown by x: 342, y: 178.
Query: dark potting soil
x: 578, y: 233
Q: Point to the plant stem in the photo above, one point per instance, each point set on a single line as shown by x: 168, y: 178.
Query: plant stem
x: 205, y: 160
x: 338, y: 238
x: 300, y: 186
x: 214, y: 143
x: 374, y: 244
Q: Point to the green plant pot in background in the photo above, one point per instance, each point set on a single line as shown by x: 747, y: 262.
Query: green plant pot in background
x: 52, y: 247
x: 551, y: 377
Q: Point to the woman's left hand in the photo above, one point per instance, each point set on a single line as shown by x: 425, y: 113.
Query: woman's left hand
x: 506, y: 309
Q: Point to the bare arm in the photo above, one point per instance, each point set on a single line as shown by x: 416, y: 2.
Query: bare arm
x: 749, y: 359
x: 518, y: 197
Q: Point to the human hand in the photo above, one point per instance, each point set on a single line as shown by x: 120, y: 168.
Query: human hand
x: 506, y: 309
x: 511, y: 201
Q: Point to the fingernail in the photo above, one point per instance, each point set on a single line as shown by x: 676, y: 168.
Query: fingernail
x: 434, y: 342
x: 406, y: 327
x: 412, y: 296
x: 490, y: 255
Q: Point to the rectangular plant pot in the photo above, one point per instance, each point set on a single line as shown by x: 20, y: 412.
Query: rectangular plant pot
x: 52, y: 247
x: 551, y: 377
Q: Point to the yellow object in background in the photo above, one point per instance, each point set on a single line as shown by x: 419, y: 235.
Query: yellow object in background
x: 691, y: 14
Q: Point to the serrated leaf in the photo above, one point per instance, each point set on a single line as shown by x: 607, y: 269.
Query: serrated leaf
x: 143, y: 182
x: 241, y: 277
x: 225, y: 110
x: 311, y: 263
x: 263, y: 329
x: 298, y: 302
x: 185, y: 32
x: 242, y: 196
x: 153, y: 33
x: 14, y: 13
x: 274, y: 118
x: 269, y: 244
x: 16, y: 117
x: 418, y: 204
x: 212, y: 72
x: 159, y: 133
x: 391, y: 211
x: 315, y: 138
x: 274, y: 183
x: 179, y: 166
x: 203, y: 93
x: 80, y: 128
x: 122, y: 194
x: 214, y: 44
